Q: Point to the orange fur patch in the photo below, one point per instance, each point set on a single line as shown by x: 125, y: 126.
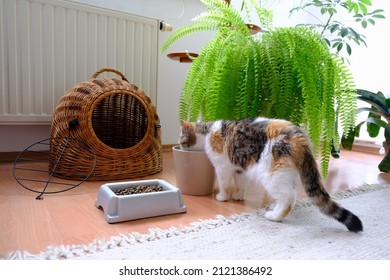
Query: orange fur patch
x: 275, y: 127
x: 300, y: 144
x: 281, y: 163
x: 216, y: 142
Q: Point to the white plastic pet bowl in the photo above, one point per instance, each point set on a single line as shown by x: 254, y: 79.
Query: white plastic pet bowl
x: 119, y: 208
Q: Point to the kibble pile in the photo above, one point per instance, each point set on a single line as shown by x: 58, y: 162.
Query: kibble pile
x: 139, y: 189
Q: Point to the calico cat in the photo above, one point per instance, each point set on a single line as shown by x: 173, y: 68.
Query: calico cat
x: 272, y: 153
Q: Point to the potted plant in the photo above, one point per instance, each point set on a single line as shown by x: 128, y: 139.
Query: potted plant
x: 286, y: 73
x: 378, y: 117
x: 339, y: 33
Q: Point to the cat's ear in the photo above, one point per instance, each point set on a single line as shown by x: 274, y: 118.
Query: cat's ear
x: 185, y: 125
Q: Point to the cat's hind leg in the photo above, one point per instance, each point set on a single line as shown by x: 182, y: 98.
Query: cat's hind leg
x: 281, y: 188
x: 238, y: 192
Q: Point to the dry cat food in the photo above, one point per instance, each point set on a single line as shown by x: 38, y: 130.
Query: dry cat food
x: 138, y: 189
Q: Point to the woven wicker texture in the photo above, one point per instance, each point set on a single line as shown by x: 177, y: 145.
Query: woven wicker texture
x: 117, y: 120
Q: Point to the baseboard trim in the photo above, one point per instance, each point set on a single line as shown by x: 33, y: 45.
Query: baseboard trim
x: 359, y: 146
x: 167, y: 148
x: 366, y: 147
x: 8, y: 156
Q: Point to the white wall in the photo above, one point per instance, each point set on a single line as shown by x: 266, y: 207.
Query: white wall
x: 368, y: 65
x: 171, y: 73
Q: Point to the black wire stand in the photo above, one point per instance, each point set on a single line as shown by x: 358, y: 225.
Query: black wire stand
x: 35, y: 170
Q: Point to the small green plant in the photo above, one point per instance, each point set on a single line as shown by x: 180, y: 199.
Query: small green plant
x: 378, y: 117
x: 338, y: 34
x: 286, y: 73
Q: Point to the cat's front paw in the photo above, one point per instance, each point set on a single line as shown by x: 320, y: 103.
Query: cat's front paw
x: 238, y: 196
x: 272, y: 216
x: 222, y: 196
x: 271, y: 206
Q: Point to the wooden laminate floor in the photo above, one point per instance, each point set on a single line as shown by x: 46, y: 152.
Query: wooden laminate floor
x: 71, y: 217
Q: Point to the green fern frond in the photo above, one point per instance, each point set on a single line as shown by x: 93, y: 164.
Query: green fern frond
x: 218, y: 17
x: 265, y: 80
x: 229, y: 69
x: 220, y: 7
x: 197, y: 83
x: 257, y: 79
x: 326, y: 149
x: 265, y: 16
x: 345, y: 92
x: 285, y: 103
x: 246, y: 83
x: 186, y: 31
x: 304, y: 84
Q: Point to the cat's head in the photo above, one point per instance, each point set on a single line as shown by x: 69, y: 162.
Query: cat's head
x: 190, y: 138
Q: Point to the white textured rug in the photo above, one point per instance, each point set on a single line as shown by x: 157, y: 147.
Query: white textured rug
x: 305, y: 234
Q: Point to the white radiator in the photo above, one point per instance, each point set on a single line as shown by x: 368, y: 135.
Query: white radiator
x: 48, y: 46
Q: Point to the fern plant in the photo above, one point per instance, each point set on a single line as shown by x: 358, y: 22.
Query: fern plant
x: 284, y: 73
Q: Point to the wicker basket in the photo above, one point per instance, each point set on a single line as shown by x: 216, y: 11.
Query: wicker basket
x: 117, y: 120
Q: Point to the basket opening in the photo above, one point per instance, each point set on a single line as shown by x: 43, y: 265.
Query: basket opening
x: 120, y: 121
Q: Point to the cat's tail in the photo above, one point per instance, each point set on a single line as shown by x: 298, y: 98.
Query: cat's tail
x: 312, y: 183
